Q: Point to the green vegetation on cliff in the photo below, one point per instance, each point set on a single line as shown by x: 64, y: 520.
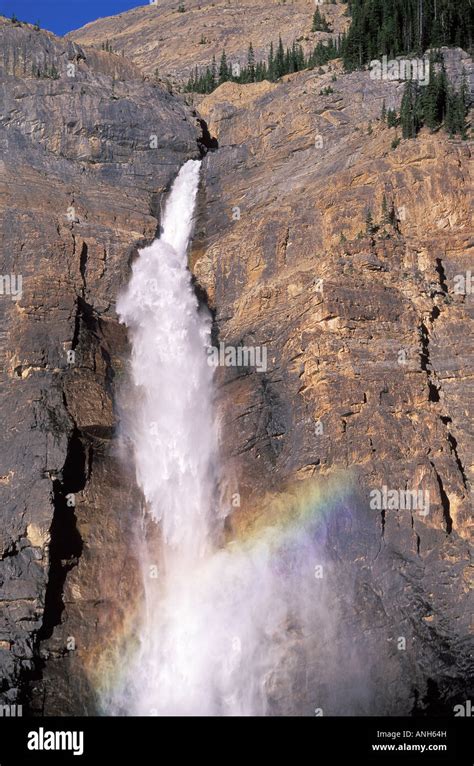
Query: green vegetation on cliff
x: 397, y: 27
x: 435, y: 105
x: 279, y: 62
x: 320, y: 23
x: 378, y: 28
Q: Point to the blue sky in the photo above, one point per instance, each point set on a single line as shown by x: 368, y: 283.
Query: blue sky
x: 61, y: 16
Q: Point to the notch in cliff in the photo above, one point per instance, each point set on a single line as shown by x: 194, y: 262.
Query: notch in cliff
x: 206, y: 142
x: 66, y: 543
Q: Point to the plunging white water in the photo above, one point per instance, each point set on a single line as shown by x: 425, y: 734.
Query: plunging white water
x: 174, y: 437
x: 173, y: 433
x: 215, y: 621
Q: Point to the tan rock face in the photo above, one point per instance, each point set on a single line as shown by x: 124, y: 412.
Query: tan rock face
x: 158, y: 36
x: 369, y: 370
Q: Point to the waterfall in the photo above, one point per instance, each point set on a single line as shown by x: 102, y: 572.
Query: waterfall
x: 173, y: 431
x: 217, y: 620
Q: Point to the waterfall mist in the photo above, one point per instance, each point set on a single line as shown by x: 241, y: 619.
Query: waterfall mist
x: 222, y: 626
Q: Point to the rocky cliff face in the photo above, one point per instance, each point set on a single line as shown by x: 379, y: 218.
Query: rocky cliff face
x: 369, y: 359
x: 161, y: 37
x: 369, y: 368
x: 88, y: 150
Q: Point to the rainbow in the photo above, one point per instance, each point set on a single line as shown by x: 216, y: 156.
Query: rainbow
x: 281, y: 532
x: 302, y: 505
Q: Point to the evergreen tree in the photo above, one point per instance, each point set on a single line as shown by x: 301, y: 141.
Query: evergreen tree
x: 433, y: 98
x: 392, y: 216
x: 369, y: 222
x: 323, y: 53
x: 409, y: 111
x: 251, y: 64
x: 392, y: 119
x: 456, y: 112
x: 271, y: 63
x: 261, y: 71
x: 463, y: 104
x: 280, y: 60
x: 403, y: 27
x: 320, y: 23
x: 224, y: 72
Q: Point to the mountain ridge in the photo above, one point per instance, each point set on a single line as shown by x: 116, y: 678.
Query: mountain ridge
x: 204, y: 29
